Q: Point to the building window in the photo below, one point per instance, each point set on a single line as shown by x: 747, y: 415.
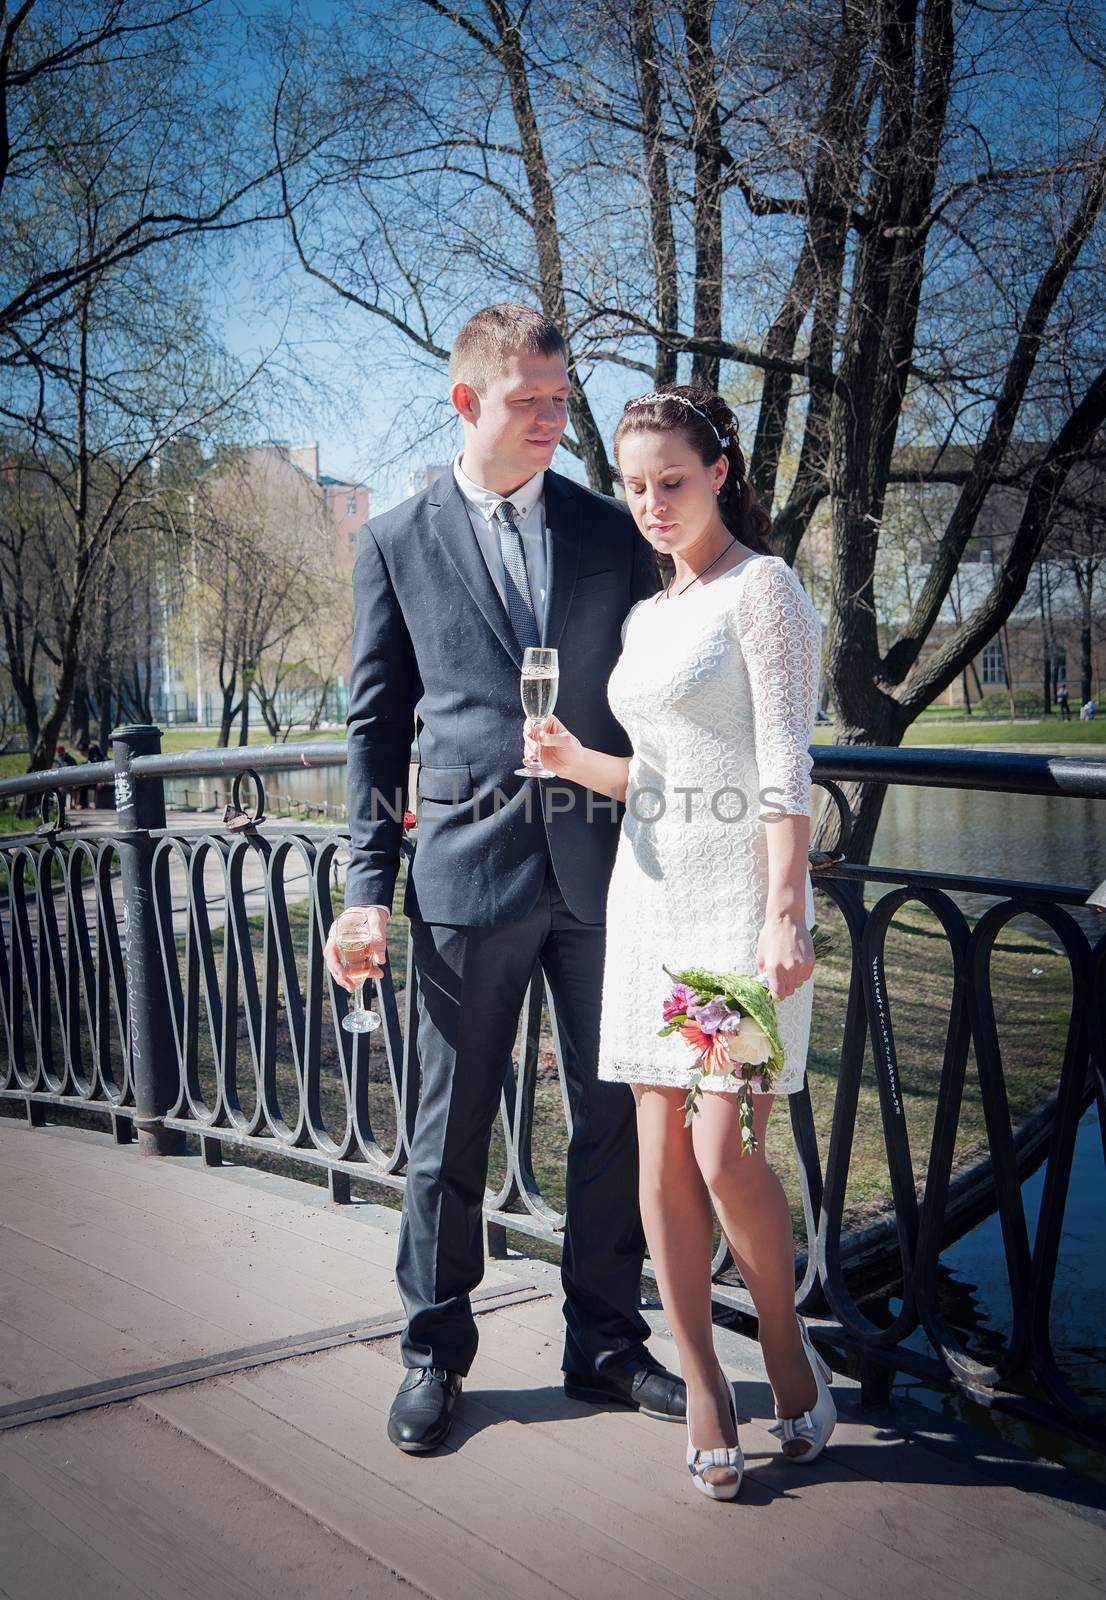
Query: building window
x: 351, y: 505
x: 993, y: 670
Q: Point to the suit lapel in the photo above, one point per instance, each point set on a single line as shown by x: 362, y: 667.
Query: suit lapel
x: 562, y: 525
x: 454, y: 531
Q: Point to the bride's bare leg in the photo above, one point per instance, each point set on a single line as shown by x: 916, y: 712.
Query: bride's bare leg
x: 752, y: 1208
x: 676, y: 1216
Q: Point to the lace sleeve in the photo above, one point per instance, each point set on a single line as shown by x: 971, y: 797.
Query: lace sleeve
x: 780, y: 635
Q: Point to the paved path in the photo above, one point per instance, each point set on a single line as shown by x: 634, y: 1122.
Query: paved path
x: 243, y: 1475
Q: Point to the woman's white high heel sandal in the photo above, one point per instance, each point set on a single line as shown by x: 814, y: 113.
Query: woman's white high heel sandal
x: 729, y: 1456
x: 814, y: 1427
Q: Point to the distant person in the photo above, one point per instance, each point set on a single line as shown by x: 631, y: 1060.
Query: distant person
x: 1062, y: 702
x: 62, y: 757
x: 1087, y: 713
x: 91, y: 751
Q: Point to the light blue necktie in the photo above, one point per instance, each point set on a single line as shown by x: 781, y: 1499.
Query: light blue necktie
x: 520, y: 606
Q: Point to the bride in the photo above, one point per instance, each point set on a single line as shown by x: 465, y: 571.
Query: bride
x: 717, y: 688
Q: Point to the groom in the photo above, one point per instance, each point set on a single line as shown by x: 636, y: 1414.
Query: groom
x: 449, y: 588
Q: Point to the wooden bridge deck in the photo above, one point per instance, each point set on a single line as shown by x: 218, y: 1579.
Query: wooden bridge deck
x: 149, y: 1447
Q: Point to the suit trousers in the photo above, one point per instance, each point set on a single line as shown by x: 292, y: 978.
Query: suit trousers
x: 471, y: 985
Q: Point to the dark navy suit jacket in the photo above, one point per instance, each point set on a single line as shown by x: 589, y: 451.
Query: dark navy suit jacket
x: 434, y: 654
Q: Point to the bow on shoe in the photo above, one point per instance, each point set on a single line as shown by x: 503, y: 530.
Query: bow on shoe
x: 802, y: 1427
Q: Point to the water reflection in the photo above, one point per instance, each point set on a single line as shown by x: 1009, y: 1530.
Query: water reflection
x: 1038, y: 838
x: 974, y: 1296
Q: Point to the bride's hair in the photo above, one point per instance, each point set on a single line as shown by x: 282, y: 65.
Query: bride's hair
x: 710, y: 427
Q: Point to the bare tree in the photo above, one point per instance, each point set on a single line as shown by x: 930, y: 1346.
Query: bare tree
x: 133, y: 368
x: 827, y: 196
x: 266, y: 589
x: 145, y: 100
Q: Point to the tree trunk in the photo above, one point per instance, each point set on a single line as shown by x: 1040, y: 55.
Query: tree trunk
x: 226, y: 717
x: 42, y: 755
x: 1046, y: 645
x: 79, y: 715
x: 247, y: 690
x: 1086, y: 637
x: 865, y: 800
x: 660, y: 197
x: 816, y: 282
x: 547, y: 238
x: 706, y: 144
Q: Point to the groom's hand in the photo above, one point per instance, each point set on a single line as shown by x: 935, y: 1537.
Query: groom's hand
x: 550, y: 743
x: 376, y: 919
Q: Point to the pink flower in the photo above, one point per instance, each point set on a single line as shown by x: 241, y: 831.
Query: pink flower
x: 678, y: 1002
x: 712, y: 1048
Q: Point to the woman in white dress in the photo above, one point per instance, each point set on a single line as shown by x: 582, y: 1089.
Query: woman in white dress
x: 717, y: 687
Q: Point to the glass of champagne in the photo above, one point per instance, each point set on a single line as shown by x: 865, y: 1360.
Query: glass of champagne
x: 355, y: 952
x: 540, y: 679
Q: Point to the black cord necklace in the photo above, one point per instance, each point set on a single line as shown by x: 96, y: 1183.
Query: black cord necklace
x: 698, y: 575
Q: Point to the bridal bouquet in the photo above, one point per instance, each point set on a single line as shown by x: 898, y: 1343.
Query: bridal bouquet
x: 730, y: 1023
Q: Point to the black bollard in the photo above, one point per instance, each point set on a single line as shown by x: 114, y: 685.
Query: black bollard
x: 140, y: 804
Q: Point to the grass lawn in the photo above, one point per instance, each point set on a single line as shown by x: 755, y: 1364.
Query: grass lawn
x: 929, y: 730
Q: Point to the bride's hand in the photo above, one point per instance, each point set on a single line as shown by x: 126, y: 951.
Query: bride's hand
x: 785, y: 954
x: 550, y: 743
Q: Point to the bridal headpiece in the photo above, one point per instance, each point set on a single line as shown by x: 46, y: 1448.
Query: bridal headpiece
x: 662, y: 394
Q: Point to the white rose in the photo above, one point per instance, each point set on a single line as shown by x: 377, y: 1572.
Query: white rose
x: 749, y: 1044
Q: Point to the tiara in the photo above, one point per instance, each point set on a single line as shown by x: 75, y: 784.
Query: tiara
x: 662, y: 394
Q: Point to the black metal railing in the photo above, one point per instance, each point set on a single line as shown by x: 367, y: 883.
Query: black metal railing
x: 172, y: 980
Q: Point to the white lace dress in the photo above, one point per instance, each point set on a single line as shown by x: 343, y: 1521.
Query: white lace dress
x: 717, y: 690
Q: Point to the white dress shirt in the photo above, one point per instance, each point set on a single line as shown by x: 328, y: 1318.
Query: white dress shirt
x: 529, y: 504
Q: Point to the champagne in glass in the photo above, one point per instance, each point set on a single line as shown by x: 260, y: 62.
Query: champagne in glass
x: 356, y: 953
x: 540, y: 679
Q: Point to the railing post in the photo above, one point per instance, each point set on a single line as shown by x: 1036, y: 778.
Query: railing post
x: 140, y: 805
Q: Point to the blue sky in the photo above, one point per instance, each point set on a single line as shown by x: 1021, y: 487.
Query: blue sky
x: 344, y: 379
x: 340, y: 376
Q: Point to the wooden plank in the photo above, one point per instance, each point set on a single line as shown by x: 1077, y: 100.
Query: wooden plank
x: 505, y: 1482
x: 42, y: 1557
x: 104, y: 1328
x: 28, y: 1360
x: 122, y: 1495
x: 1022, y: 1556
x: 626, y: 1473
x: 178, y: 1272
x: 90, y: 1165
x: 339, y: 1291
x: 427, y: 1544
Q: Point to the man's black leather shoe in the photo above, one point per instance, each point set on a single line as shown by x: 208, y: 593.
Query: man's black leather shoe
x: 422, y: 1411
x: 642, y: 1383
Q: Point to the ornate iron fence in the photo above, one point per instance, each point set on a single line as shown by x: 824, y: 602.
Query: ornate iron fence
x: 121, y: 994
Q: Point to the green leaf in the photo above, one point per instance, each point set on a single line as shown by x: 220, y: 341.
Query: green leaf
x: 747, y: 994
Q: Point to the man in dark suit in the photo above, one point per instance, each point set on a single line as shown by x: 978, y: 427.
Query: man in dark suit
x: 449, y: 588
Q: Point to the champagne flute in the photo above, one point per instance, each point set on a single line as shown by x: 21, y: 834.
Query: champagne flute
x: 356, y: 953
x: 540, y: 680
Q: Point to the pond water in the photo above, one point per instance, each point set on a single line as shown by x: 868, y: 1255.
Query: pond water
x: 975, y: 1299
